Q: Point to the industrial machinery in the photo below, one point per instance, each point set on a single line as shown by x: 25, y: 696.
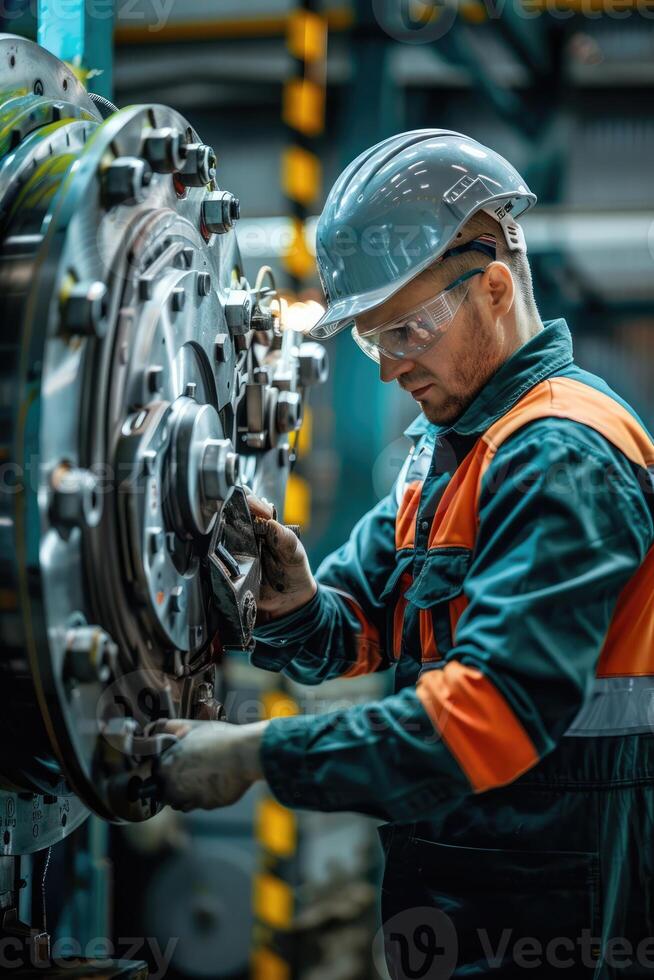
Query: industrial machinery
x: 143, y: 384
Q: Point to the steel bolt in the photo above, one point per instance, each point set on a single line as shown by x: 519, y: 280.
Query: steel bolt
x: 289, y: 411
x: 190, y: 389
x: 90, y: 655
x: 219, y: 345
x: 75, y: 498
x: 155, y: 540
x: 238, y: 311
x: 184, y: 258
x: 164, y: 150
x: 313, y: 364
x: 220, y: 209
x: 219, y: 469
x: 85, y: 309
x: 177, y: 599
x: 178, y: 299
x: 155, y: 378
x: 204, y: 283
x: 199, y: 167
x: 125, y: 180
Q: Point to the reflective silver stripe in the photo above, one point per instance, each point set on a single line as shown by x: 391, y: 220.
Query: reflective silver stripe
x: 617, y: 706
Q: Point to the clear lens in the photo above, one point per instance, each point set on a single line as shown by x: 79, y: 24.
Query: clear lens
x: 414, y: 334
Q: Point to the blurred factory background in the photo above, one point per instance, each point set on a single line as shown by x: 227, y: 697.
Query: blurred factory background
x: 288, y: 92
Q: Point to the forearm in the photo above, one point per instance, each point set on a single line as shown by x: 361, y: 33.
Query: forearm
x: 383, y: 759
x: 321, y: 640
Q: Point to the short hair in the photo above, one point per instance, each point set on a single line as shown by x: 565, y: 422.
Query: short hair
x: 482, y: 223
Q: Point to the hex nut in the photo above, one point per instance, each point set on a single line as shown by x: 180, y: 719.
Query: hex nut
x: 313, y: 364
x: 124, y: 181
x: 76, y: 501
x: 85, y: 309
x: 289, y: 411
x: 219, y: 469
x: 220, y: 209
x: 90, y: 655
x: 204, y: 283
x: 199, y: 167
x: 238, y: 311
x: 165, y: 150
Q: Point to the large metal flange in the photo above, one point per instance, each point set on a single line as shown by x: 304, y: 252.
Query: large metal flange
x: 129, y: 557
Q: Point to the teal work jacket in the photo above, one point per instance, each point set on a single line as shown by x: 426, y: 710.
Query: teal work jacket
x: 565, y: 520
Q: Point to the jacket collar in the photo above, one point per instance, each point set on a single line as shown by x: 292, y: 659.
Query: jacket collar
x: 542, y: 356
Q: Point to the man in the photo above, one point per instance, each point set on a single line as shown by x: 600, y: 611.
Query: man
x: 509, y: 580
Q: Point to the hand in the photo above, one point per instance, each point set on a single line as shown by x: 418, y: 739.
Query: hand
x: 286, y: 579
x: 212, y: 765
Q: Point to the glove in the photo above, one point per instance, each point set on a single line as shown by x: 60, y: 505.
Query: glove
x: 287, y: 582
x: 212, y: 764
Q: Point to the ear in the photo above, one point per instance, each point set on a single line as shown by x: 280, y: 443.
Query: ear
x: 499, y: 288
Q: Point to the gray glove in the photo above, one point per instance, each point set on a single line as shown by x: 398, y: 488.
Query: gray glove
x: 212, y: 765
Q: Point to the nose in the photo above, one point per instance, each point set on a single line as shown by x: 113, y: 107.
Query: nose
x: 390, y: 369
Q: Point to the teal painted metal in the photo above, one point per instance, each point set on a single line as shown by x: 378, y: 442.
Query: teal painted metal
x: 81, y: 34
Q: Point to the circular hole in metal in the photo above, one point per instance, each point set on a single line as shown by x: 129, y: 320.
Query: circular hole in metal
x: 12, y: 61
x: 65, y: 84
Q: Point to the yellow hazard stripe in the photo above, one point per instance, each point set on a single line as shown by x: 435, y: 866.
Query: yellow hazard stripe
x: 301, y: 175
x: 276, y: 828
x: 268, y: 965
x: 297, y: 505
x: 276, y: 704
x: 339, y: 19
x: 273, y: 901
x: 303, y: 106
x: 298, y: 260
x: 306, y: 38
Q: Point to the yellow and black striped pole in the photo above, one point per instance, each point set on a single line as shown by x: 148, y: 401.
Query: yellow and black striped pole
x: 274, y: 953
x: 303, y: 113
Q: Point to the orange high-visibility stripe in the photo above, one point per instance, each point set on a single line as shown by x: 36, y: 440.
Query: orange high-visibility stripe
x: 428, y: 649
x: 405, y: 522
x: 477, y: 725
x: 629, y: 645
x: 368, y: 642
x: 455, y: 520
x: 578, y: 402
x: 398, y: 614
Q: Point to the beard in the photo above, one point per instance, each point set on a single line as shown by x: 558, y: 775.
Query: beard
x: 449, y: 398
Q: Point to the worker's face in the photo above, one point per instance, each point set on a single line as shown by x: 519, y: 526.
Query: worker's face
x: 445, y: 379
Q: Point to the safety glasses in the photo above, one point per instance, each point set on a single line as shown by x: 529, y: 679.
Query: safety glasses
x: 415, y: 332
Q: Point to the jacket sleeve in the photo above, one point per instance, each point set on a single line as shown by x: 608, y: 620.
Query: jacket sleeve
x: 556, y: 543
x: 342, y: 631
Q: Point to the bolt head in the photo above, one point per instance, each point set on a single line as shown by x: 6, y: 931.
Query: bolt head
x: 85, y: 309
x: 220, y: 209
x: 155, y: 541
x: 177, y: 599
x: 155, y: 379
x: 164, y: 150
x: 219, y: 346
x: 178, y: 299
x: 90, y: 654
x: 204, y: 283
x: 313, y: 364
x: 76, y: 501
x: 238, y: 311
x: 289, y: 411
x: 125, y: 181
x: 199, y: 167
